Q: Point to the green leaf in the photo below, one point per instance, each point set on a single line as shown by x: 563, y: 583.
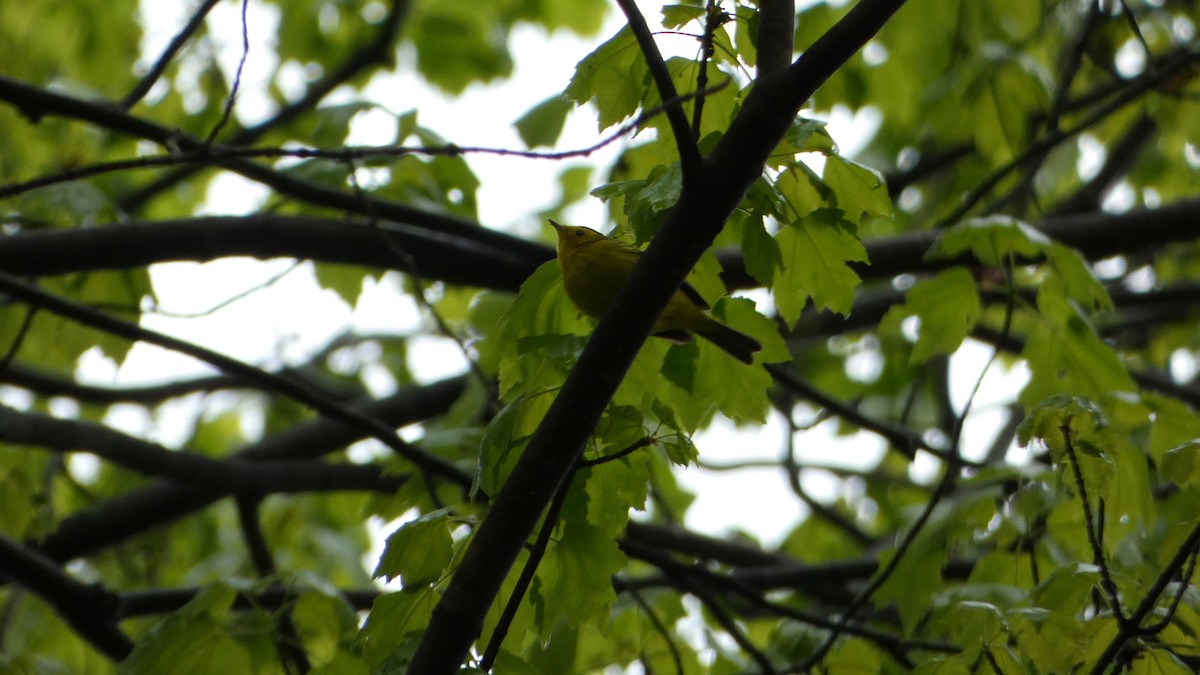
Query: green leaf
x: 943, y: 665
x: 615, y: 487
x: 575, y: 182
x: 1174, y: 424
x: 542, y: 312
x: 1066, y: 356
x: 854, y: 655
x: 990, y: 240
x: 543, y: 124
x: 1181, y: 465
x: 506, y: 436
x: 760, y: 251
x: 194, y: 639
x: 57, y: 343
x: 1158, y: 661
x: 1067, y: 588
x: 1046, y: 420
x: 679, y: 367
x: 1001, y: 105
x: 73, y: 204
x: 647, y: 207
x: 816, y: 250
x: 860, y: 190
x: 395, y: 620
x: 573, y: 583
x: 418, y: 552
x: 613, y: 76
x: 1080, y: 283
x: 584, y: 17
x: 719, y: 105
x: 719, y: 383
x: 340, y: 663
x: 675, y: 16
x: 345, y: 280
x: 325, y: 623
x: 948, y: 307
x: 802, y: 191
x: 330, y: 125
x: 456, y: 44
x: 20, y: 492
x: 805, y: 135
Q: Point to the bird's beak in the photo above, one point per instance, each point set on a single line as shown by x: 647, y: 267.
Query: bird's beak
x: 556, y: 226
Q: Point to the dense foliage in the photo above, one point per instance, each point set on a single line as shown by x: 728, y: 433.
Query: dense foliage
x: 1030, y: 191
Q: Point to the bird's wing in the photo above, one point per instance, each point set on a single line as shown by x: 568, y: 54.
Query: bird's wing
x: 633, y: 254
x: 694, y: 295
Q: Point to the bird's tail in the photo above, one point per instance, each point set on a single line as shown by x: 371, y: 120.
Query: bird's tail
x: 739, y: 345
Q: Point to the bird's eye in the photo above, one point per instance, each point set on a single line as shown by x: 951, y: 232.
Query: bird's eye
x: 578, y: 233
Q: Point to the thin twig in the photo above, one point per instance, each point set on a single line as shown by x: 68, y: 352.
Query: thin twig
x: 901, y: 438
x: 1181, y: 588
x: 1131, y: 628
x: 830, y: 515
x: 219, y: 154
x: 409, y: 264
x: 713, y: 18
x: 662, y: 629
x: 1134, y: 89
x: 1106, y: 580
x: 144, y: 85
x: 18, y: 339
x: 288, y: 643
x: 237, y: 81
x: 1137, y: 32
x: 690, y: 161
x: 726, y: 622
x: 536, y: 552
x: 301, y: 392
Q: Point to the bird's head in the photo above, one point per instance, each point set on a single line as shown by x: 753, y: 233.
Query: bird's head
x: 572, y: 237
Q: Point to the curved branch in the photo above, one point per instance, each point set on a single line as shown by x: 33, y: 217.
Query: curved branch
x: 689, y: 230
x: 144, y: 85
x: 776, y: 35
x: 291, y: 388
x: 47, y: 384
x: 685, y: 143
x: 88, y: 608
x: 164, y: 600
x: 375, y: 51
x: 1096, y: 235
x: 107, y: 523
x: 500, y: 262
x: 235, y: 475
x: 36, y: 102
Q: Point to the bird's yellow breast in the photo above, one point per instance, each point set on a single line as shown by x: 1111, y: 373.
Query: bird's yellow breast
x: 595, y: 270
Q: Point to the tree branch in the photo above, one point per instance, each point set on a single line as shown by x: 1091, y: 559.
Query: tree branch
x: 685, y: 143
x: 136, y: 511
x: 500, y: 264
x: 163, y: 600
x: 189, y: 29
x: 375, y: 51
x: 776, y: 35
x: 293, y: 389
x: 690, y: 228
x: 500, y: 261
x: 234, y: 475
x: 36, y: 102
x: 89, y: 609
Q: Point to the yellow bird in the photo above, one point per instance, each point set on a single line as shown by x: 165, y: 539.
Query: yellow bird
x: 595, y: 267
